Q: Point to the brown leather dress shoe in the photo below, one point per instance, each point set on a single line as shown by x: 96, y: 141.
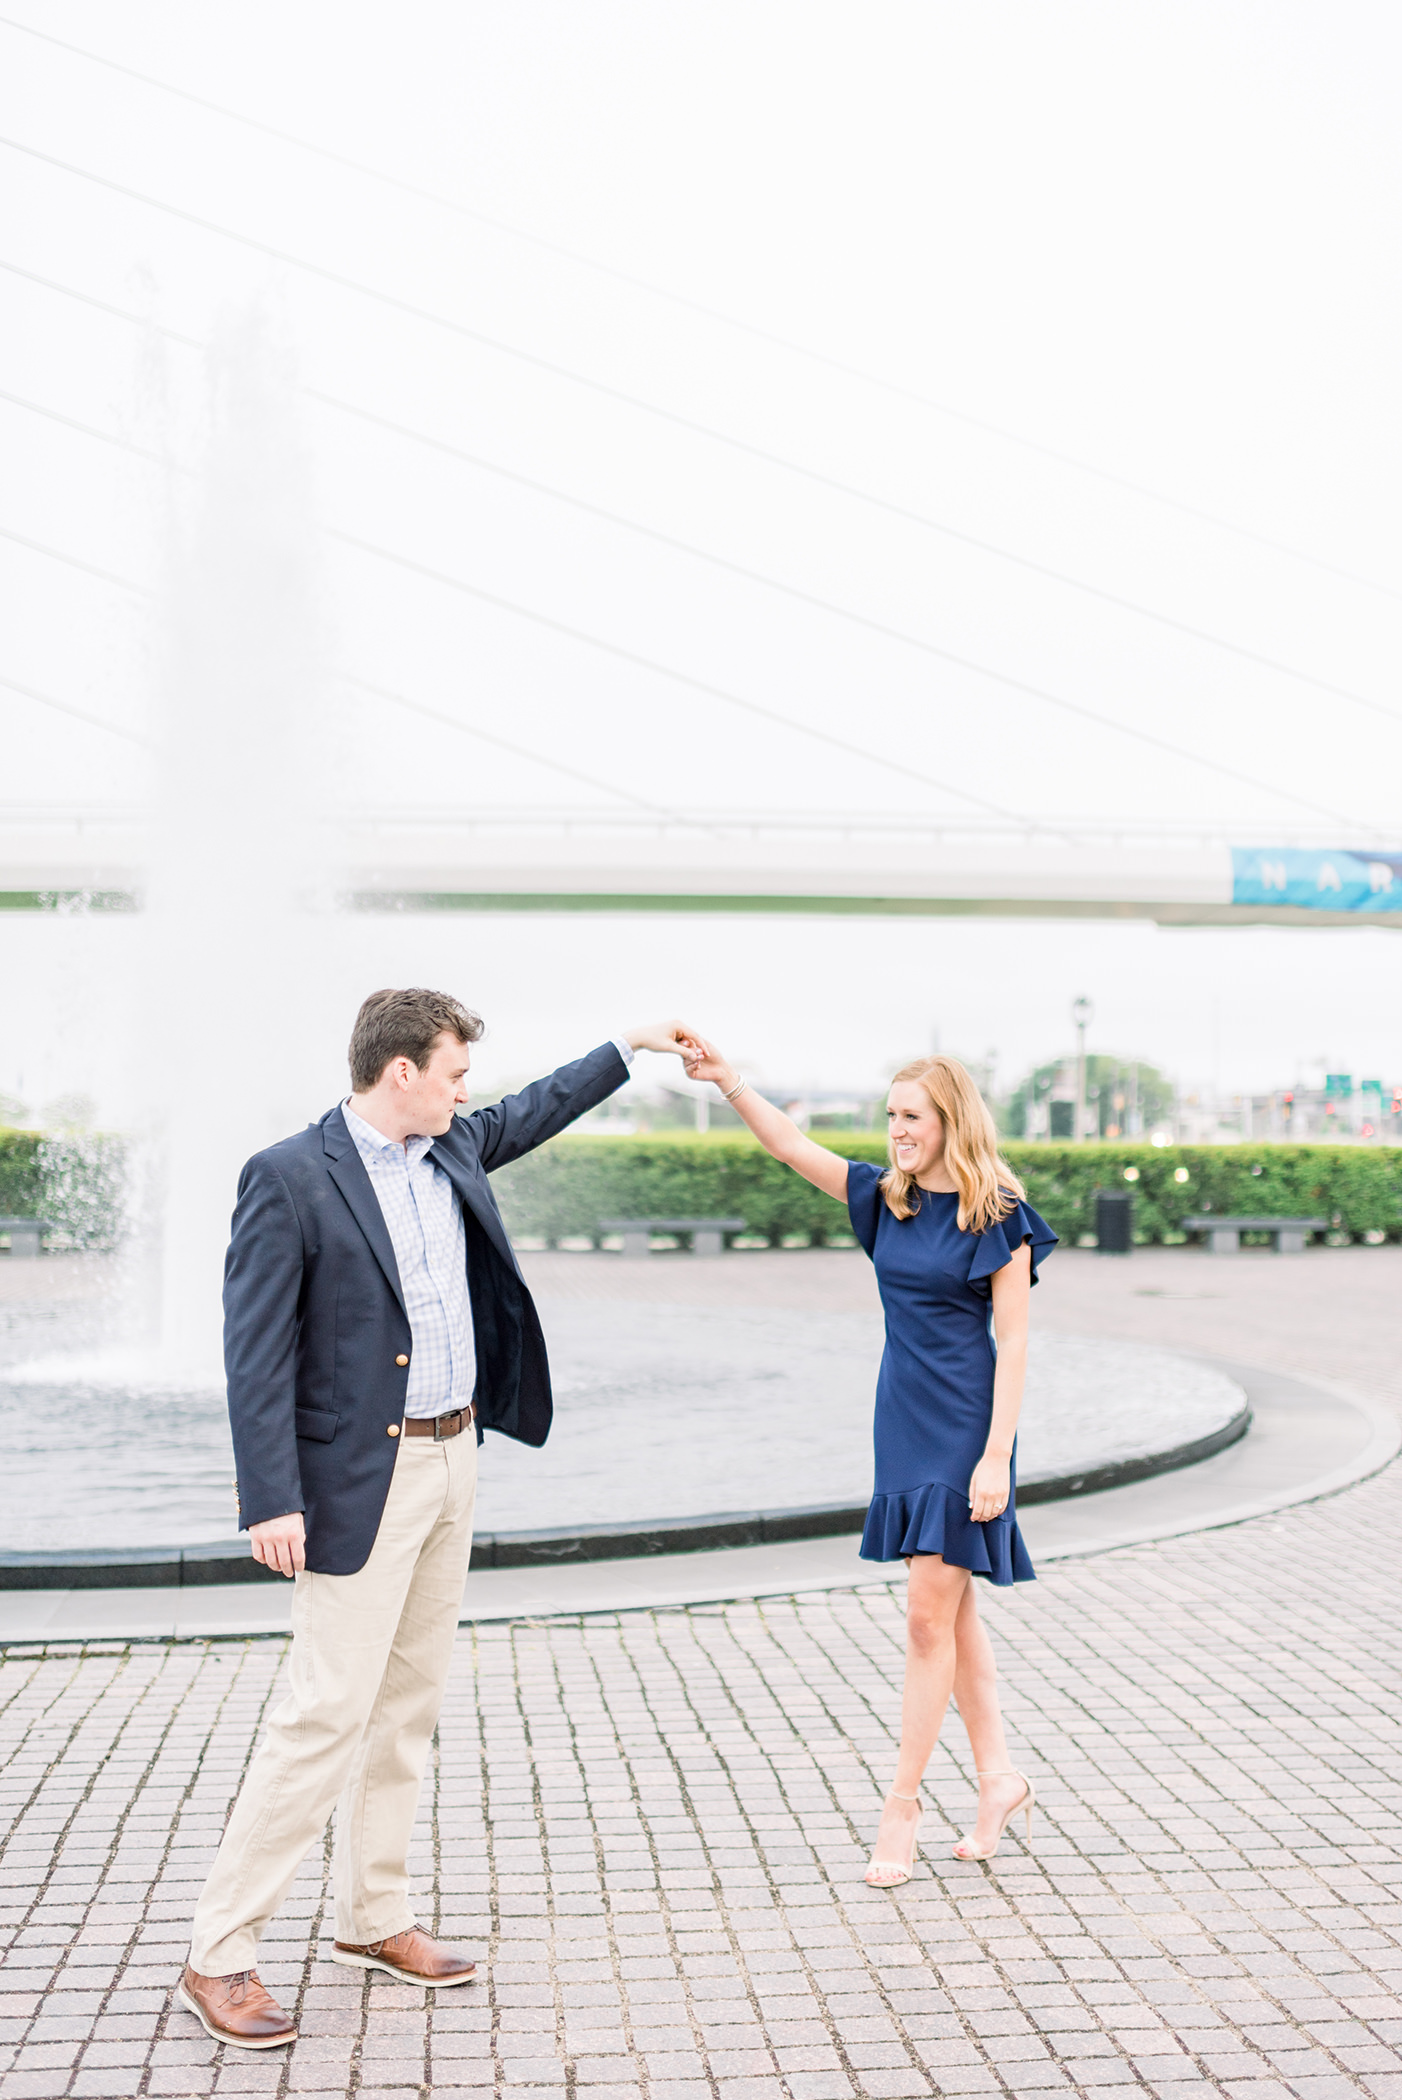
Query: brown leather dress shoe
x: 411, y: 1956
x: 236, y: 2009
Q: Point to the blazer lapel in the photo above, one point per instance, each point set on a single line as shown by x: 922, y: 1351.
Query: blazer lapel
x: 473, y: 1193
x: 347, y: 1169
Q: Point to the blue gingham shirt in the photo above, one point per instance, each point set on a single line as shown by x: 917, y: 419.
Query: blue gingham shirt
x: 423, y: 1216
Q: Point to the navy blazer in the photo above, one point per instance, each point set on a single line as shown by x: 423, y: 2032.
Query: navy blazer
x: 316, y: 1338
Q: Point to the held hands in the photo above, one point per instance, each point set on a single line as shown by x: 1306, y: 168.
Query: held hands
x: 989, y: 1488
x: 663, y: 1035
x: 280, y: 1543
x: 704, y: 1062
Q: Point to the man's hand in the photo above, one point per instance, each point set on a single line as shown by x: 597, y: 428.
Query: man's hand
x: 662, y: 1035
x: 280, y: 1543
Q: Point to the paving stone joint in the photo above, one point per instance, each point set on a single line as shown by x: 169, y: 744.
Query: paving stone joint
x: 651, y: 1828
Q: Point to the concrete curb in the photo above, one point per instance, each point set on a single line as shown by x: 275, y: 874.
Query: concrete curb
x: 1382, y: 1447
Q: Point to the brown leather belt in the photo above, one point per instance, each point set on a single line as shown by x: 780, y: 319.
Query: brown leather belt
x: 441, y: 1426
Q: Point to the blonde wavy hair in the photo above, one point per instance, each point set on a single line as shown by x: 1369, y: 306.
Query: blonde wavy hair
x: 987, y: 1185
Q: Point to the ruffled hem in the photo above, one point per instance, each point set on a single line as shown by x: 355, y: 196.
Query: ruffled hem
x: 935, y: 1519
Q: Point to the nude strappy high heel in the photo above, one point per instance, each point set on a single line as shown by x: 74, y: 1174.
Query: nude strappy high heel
x: 901, y: 1869
x: 965, y: 1849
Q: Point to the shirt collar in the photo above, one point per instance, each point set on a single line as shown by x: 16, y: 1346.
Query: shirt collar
x: 374, y: 1144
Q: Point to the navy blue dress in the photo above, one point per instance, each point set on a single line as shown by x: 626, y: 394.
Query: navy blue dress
x: 934, y: 1396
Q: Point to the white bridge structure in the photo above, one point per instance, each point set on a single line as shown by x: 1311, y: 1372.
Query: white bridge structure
x: 520, y: 860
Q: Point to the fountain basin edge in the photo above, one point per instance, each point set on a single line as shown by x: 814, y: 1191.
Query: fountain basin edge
x: 229, y: 1560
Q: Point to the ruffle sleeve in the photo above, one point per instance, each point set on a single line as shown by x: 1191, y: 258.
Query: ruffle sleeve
x: 864, y: 1200
x: 996, y: 1247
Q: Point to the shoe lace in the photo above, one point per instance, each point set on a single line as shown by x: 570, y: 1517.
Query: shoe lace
x: 237, y: 1986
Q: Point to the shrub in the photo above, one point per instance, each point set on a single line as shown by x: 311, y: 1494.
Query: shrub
x: 1360, y: 1185
x: 78, y: 1180
x: 568, y: 1185
x: 565, y: 1188
x: 19, y: 1173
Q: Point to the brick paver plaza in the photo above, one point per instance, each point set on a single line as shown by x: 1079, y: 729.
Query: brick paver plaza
x: 654, y: 1827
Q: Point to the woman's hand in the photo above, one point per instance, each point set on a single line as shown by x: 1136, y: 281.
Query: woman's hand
x: 989, y: 1489
x: 778, y: 1133
x: 704, y: 1062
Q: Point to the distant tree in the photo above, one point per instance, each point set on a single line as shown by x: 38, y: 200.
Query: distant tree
x: 1012, y: 1113
x: 1107, y: 1080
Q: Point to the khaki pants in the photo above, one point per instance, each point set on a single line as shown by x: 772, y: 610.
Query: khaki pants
x: 369, y: 1662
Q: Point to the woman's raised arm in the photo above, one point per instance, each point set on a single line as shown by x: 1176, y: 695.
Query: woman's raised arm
x: 778, y: 1133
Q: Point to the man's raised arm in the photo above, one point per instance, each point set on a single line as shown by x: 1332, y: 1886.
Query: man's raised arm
x: 507, y: 1129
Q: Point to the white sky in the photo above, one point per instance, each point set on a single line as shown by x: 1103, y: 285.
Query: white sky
x: 1157, y: 240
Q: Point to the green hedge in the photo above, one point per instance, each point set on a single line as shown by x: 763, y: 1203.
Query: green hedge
x: 568, y: 1185
x: 78, y: 1181
x: 564, y: 1189
x: 1357, y: 1187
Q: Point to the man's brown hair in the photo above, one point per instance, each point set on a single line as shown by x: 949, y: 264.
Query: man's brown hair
x: 405, y: 1024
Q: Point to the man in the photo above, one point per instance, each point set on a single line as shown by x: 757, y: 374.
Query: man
x: 375, y: 1320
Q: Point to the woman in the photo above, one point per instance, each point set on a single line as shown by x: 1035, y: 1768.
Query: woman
x: 952, y: 1241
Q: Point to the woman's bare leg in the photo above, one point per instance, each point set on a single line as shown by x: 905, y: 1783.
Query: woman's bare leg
x: 976, y: 1696
x: 933, y: 1600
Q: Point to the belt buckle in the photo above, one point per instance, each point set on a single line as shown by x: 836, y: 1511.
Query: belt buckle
x: 439, y: 1420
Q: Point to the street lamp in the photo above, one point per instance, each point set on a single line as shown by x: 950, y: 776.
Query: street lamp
x: 1082, y: 1013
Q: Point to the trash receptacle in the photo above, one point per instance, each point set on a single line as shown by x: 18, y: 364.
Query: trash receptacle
x: 1114, y: 1221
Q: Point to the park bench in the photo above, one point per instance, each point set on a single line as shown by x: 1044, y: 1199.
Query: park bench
x: 707, y: 1234
x: 24, y: 1235
x: 1224, y: 1234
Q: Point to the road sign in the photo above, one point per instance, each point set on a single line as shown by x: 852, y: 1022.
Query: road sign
x: 1318, y: 878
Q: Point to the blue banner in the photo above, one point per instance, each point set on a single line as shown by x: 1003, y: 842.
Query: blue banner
x: 1317, y: 878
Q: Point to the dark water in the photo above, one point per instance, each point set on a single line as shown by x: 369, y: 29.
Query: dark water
x: 98, y: 1465
x: 660, y: 1411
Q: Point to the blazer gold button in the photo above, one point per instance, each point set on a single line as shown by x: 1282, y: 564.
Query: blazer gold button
x: 401, y: 1361
x: 393, y: 1429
